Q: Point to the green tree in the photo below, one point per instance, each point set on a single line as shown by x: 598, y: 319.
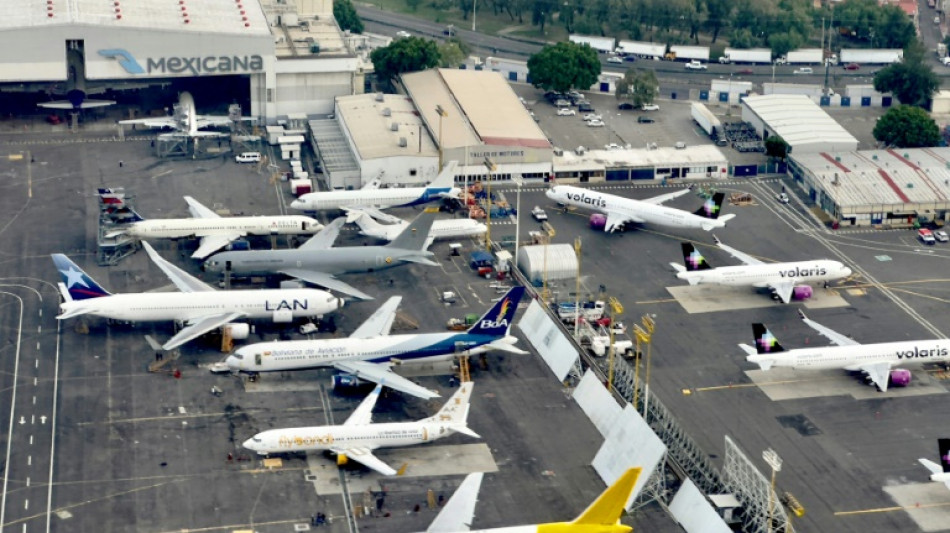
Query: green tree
x: 408, y: 54
x: 638, y: 86
x: 718, y: 14
x: 776, y: 147
x: 346, y: 17
x: 893, y: 29
x: 564, y: 66
x: 450, y: 55
x: 413, y: 5
x: 907, y: 126
x: 912, y: 80
x: 783, y: 43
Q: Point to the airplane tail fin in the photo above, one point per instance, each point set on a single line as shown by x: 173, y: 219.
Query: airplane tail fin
x: 497, y: 320
x: 416, y: 234
x: 765, y: 342
x: 944, y: 445
x: 693, y: 260
x: 446, y: 178
x: 78, y: 284
x: 712, y: 206
x: 604, y: 512
x: 455, y: 411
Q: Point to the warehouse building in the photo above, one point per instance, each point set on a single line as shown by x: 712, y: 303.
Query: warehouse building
x: 658, y: 163
x: 896, y: 187
x: 799, y: 121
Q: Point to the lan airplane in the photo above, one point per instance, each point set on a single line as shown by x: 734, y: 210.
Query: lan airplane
x: 186, y: 121
x: 215, y: 231
x: 601, y: 516
x: 370, y: 351
x: 359, y: 436
x: 441, y: 229
x: 940, y: 473
x: 194, y: 306
x: 317, y: 262
x: 787, y: 280
x: 874, y: 360
x: 381, y: 198
x: 621, y: 211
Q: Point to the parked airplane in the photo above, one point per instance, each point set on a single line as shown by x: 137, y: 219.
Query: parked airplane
x: 76, y: 89
x: 941, y: 472
x: 441, y: 229
x: 787, y: 280
x: 186, y: 121
x: 369, y: 352
x: 601, y: 516
x: 377, y: 198
x: 874, y: 360
x: 621, y: 211
x: 317, y: 262
x: 359, y: 436
x: 215, y: 231
x: 193, y: 306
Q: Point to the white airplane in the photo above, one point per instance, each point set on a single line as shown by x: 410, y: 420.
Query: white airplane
x: 186, y: 121
x: 375, y: 198
x: 359, y: 436
x: 198, y: 305
x: 787, y: 280
x: 874, y: 360
x: 441, y: 229
x: 601, y: 516
x: 941, y: 472
x: 621, y: 211
x: 370, y: 351
x: 215, y: 231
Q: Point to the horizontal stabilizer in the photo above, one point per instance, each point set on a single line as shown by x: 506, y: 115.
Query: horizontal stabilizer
x: 505, y: 347
x: 458, y: 513
x: 419, y: 260
x: 79, y: 311
x: 464, y: 430
x: 747, y: 349
x: 930, y: 465
x: 678, y: 267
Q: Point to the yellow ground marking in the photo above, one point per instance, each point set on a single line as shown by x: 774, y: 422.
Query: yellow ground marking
x: 892, y: 509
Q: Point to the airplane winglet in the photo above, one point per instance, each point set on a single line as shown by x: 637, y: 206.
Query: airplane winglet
x: 716, y: 239
x: 606, y: 509
x: 801, y: 314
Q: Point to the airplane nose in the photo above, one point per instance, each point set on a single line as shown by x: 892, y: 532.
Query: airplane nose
x: 250, y: 445
x: 297, y: 204
x: 233, y: 363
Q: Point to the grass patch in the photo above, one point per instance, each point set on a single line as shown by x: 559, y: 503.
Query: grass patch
x: 486, y: 21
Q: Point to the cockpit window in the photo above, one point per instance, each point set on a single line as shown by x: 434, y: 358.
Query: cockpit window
x: 238, y: 356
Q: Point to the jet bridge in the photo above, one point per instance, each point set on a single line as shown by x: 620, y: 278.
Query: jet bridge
x: 115, y: 209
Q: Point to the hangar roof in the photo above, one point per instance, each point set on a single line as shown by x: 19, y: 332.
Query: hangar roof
x: 370, y: 118
x: 481, y: 107
x: 698, y: 155
x: 198, y: 16
x: 799, y: 120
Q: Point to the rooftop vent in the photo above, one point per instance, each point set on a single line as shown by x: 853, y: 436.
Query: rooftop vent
x: 379, y: 97
x: 387, y: 112
x: 403, y: 143
x: 394, y: 126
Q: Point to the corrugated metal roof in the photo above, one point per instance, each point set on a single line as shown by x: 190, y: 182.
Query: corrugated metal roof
x: 799, y: 120
x: 365, y: 117
x: 699, y: 155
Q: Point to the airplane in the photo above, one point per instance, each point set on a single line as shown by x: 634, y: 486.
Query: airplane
x: 874, y: 360
x: 941, y: 472
x: 441, y: 229
x: 317, y: 262
x: 76, y: 88
x: 620, y: 210
x: 192, y: 306
x: 601, y: 516
x: 186, y: 121
x: 215, y: 231
x: 359, y: 436
x: 786, y: 280
x: 370, y: 351
x: 375, y: 198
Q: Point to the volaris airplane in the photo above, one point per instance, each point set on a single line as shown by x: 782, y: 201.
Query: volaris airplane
x: 940, y: 473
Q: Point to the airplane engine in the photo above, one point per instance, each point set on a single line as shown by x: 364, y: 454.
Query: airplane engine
x: 598, y: 221
x: 349, y: 384
x: 900, y: 377
x: 802, y: 292
x: 283, y: 316
x: 238, y: 331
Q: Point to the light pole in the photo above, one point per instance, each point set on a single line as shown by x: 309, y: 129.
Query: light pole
x: 442, y: 114
x: 774, y: 461
x: 490, y: 165
x: 519, y: 181
x: 474, y: 11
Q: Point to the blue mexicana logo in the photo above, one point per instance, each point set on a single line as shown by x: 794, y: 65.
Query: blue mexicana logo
x: 125, y: 59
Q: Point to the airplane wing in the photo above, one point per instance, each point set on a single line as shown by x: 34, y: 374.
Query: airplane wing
x: 212, y: 243
x: 324, y: 239
x: 459, y: 512
x: 206, y: 121
x: 198, y: 210
x: 879, y: 373
x: 666, y: 197
x: 830, y: 334
x: 199, y: 328
x: 155, y: 122
x: 325, y: 280
x: 66, y: 104
x: 363, y: 415
x: 354, y: 212
x: 380, y: 373
x: 615, y: 219
x: 783, y: 290
x: 365, y: 457
x: 183, y: 280
x: 380, y: 322
x: 741, y: 256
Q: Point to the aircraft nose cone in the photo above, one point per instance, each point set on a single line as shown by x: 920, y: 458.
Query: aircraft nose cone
x: 233, y: 362
x: 297, y: 204
x: 250, y: 445
x: 551, y: 192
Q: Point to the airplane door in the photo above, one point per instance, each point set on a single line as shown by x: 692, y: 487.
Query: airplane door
x: 227, y: 266
x: 257, y: 359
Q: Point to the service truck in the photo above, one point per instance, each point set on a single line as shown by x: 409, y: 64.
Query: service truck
x: 805, y: 56
x: 871, y: 56
x: 747, y: 55
x: 590, y: 311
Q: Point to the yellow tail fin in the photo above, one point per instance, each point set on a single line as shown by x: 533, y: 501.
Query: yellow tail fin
x: 606, y: 509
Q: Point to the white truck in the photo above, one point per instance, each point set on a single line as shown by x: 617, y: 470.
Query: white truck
x: 706, y: 120
x: 872, y: 56
x: 641, y: 49
x: 696, y: 65
x: 599, y: 345
x: 805, y: 56
x: 699, y: 53
x: 747, y: 55
x: 601, y: 44
x: 589, y: 311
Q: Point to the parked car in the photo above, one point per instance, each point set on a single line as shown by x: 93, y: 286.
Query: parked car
x: 926, y: 236
x: 595, y: 123
x: 803, y: 70
x: 650, y: 107
x: 584, y: 107
x: 566, y: 112
x: 614, y: 59
x: 539, y: 214
x: 680, y: 145
x: 645, y: 120
x: 248, y: 157
x: 852, y: 66
x: 941, y: 235
x: 782, y: 198
x: 744, y: 71
x: 403, y: 33
x: 613, y: 146
x: 592, y: 116
x: 625, y: 106
x: 630, y: 58
x: 696, y: 65
x: 561, y: 102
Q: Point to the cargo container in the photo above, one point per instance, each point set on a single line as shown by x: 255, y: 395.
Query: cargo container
x: 641, y: 49
x: 871, y: 56
x: 749, y: 55
x: 687, y: 53
x: 804, y: 56
x: 601, y: 44
x: 706, y: 120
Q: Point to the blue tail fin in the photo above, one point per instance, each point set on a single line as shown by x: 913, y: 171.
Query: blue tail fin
x: 497, y: 320
x: 712, y: 206
x: 78, y: 283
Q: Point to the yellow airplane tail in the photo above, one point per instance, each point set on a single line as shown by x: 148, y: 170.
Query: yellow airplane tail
x: 603, y: 515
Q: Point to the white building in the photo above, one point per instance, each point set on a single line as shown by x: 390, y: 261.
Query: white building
x: 799, y: 121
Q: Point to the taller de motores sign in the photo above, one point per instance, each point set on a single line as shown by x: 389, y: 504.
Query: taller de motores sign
x: 195, y: 65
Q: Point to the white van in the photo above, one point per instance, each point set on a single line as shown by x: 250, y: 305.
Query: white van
x: 248, y: 157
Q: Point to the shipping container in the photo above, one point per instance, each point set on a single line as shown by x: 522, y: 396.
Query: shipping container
x: 641, y: 49
x: 687, y: 53
x: 749, y: 55
x: 871, y: 56
x: 603, y: 45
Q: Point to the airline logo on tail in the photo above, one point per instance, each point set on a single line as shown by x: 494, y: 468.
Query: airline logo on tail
x: 79, y: 285
x: 765, y: 342
x: 712, y: 206
x: 944, y: 445
x: 498, y: 319
x: 693, y: 259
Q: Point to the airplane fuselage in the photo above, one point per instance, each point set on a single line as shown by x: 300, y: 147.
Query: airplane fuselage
x: 280, y: 305
x: 380, y: 198
x: 371, y: 436
x: 851, y: 357
x: 298, y: 355
x: 177, y: 228
x: 441, y: 229
x: 770, y: 273
x: 637, y: 210
x: 329, y: 260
